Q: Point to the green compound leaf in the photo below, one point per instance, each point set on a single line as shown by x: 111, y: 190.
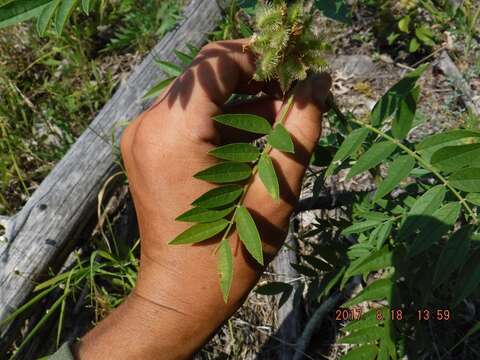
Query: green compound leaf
x: 434, y: 227
x: 317, y: 263
x: 451, y: 158
x: 158, y: 88
x: 397, y: 171
x: 202, y: 215
x: 365, y: 352
x: 169, y: 68
x: 248, y: 233
x: 200, y: 232
x: 46, y: 16
x: 474, y: 198
x: 453, y: 255
x: 276, y: 288
x: 363, y: 336
x: 273, y: 288
x: 252, y: 123
x: 241, y: 152
x: 372, y: 157
x: 444, y: 137
x: 20, y: 10
x: 466, y: 179
x: 377, y: 290
x: 186, y: 59
x: 280, y: 139
x: 225, y: 268
x: 267, y: 174
x: 349, y: 147
x: 429, y: 202
x: 469, y: 278
x: 403, y: 120
x: 380, y: 234
x: 64, y: 11
x: 220, y: 196
x: 225, y: 172
x: 390, y: 102
x: 360, y: 227
x: 404, y: 23
x: 367, y: 320
x: 425, y: 205
x: 425, y: 35
x: 378, y: 260
x: 304, y: 270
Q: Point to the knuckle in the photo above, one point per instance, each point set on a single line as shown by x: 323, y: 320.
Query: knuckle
x: 210, y: 46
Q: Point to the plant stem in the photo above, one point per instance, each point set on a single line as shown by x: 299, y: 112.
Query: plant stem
x: 266, y: 150
x: 414, y: 154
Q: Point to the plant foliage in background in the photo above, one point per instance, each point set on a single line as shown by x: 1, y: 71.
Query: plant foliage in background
x: 136, y: 26
x: 420, y: 25
x: 54, y: 12
x: 413, y: 243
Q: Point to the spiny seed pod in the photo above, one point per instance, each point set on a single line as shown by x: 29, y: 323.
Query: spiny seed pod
x: 285, y: 44
x: 269, y: 17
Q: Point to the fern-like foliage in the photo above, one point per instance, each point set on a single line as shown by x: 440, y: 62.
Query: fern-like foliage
x: 415, y: 245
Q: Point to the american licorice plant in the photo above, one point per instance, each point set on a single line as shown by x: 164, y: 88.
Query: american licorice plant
x: 287, y: 50
x: 413, y: 242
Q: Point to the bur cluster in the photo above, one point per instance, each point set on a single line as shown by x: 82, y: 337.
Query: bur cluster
x: 286, y: 44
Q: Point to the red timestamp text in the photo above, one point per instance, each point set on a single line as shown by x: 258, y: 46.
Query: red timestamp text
x: 439, y: 314
x: 348, y: 314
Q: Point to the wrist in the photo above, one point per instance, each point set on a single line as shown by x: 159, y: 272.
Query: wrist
x: 137, y: 329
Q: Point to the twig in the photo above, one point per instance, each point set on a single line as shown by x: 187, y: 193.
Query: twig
x: 314, y: 323
x: 326, y: 201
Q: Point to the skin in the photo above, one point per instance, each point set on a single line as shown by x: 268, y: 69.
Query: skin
x: 177, y: 304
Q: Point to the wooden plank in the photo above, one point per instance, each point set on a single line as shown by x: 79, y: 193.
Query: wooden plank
x: 289, y: 317
x: 58, y: 210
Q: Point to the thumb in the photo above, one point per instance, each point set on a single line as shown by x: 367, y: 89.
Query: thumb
x: 304, y: 120
x: 304, y: 123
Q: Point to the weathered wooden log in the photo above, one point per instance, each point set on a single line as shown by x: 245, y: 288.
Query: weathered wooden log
x: 43, y: 231
x: 289, y: 317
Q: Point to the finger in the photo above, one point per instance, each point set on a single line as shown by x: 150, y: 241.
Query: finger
x: 304, y: 124
x: 220, y: 69
x: 266, y: 107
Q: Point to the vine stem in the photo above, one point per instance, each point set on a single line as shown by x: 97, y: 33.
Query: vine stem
x: 414, y: 154
x: 266, y: 150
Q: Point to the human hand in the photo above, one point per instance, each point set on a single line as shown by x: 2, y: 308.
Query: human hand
x: 177, y: 303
